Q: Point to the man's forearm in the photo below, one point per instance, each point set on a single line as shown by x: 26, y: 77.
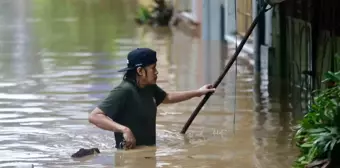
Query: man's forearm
x: 104, y: 122
x: 175, y: 97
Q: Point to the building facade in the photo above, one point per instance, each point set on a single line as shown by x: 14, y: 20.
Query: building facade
x: 295, y: 41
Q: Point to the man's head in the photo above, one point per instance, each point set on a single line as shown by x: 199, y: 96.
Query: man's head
x: 141, y: 65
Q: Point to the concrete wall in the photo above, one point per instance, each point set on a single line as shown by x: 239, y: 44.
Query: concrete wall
x: 211, y: 36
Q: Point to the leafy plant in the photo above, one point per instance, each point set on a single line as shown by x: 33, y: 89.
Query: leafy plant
x: 332, y: 77
x: 159, y: 14
x: 318, y: 133
x: 143, y: 14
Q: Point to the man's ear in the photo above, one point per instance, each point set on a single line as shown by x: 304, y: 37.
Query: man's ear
x: 139, y: 71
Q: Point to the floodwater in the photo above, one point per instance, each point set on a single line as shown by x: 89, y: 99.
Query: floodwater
x: 59, y: 59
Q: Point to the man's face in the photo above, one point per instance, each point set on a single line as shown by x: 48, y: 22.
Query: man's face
x: 148, y: 74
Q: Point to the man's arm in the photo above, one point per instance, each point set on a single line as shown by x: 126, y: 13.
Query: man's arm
x: 101, y: 120
x: 98, y: 118
x: 176, y: 97
x: 105, y: 114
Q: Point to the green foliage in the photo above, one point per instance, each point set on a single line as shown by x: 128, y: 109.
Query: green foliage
x: 332, y: 77
x: 158, y: 14
x: 143, y: 14
x: 318, y: 133
x: 337, y: 61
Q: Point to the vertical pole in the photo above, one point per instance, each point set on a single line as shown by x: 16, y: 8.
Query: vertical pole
x: 222, y: 29
x: 255, y: 35
x: 258, y: 34
x: 283, y: 43
x: 230, y: 19
x: 268, y: 28
x: 206, y: 38
x: 211, y: 33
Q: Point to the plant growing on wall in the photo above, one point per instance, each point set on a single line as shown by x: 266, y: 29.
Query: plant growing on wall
x: 318, y: 133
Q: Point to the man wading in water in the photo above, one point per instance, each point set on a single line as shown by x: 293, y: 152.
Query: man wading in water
x: 130, y: 109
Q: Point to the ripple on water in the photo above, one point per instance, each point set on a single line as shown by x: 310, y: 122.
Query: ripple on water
x: 33, y: 119
x: 46, y: 53
x: 25, y: 110
x: 167, y: 151
x: 50, y: 144
x: 21, y: 96
x: 33, y: 104
x: 9, y: 115
x: 8, y: 137
x: 22, y: 164
x: 32, y: 123
x: 73, y: 73
x: 3, y: 85
x: 22, y: 155
x: 79, y: 89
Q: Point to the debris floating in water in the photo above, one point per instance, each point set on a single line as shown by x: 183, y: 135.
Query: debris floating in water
x: 85, y: 152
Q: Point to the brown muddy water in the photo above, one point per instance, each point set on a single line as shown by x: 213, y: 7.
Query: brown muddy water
x: 58, y: 60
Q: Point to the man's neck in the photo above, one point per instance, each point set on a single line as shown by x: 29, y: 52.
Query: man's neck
x: 140, y: 84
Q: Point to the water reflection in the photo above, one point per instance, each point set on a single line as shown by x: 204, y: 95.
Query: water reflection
x: 59, y: 58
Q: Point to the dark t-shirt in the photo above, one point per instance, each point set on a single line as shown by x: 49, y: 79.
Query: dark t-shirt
x: 134, y: 108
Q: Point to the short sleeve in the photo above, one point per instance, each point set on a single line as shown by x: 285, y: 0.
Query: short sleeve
x: 114, y: 103
x: 160, y: 95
